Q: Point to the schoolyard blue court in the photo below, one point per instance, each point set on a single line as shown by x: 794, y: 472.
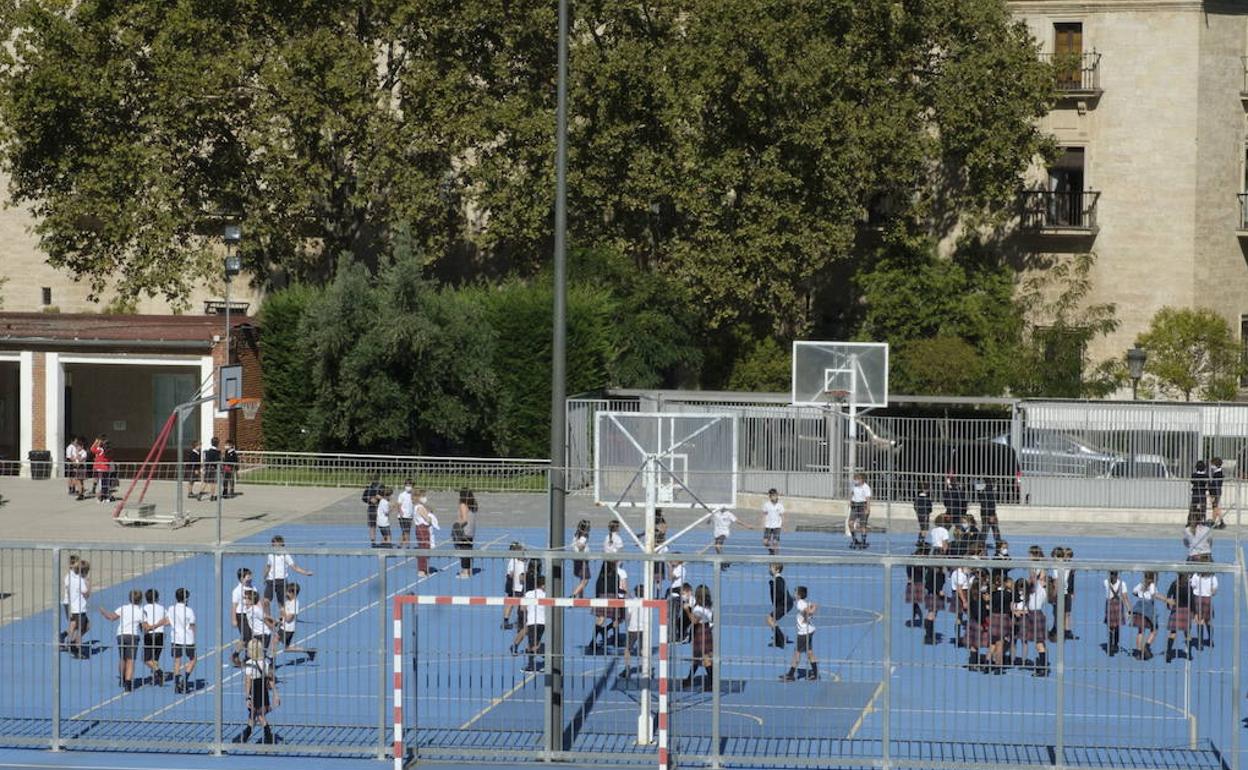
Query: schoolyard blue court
x: 470, y: 700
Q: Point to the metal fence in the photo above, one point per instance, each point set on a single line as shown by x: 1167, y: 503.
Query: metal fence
x: 881, y: 696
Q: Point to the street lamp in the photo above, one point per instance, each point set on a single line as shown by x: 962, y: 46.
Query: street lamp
x: 1135, y: 366
x: 231, y: 234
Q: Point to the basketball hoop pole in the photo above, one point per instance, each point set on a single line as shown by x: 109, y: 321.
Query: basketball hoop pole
x: 182, y: 410
x: 652, y: 491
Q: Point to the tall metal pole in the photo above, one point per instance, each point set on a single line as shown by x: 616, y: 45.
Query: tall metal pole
x: 558, y: 394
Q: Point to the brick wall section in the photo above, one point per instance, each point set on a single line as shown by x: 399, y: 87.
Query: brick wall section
x: 39, y: 433
x: 220, y: 425
x: 245, y: 340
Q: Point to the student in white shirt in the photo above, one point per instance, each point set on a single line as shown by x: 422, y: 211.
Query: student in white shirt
x: 260, y: 690
x: 72, y: 480
x: 182, y: 629
x: 1034, y: 626
x: 260, y: 625
x: 722, y: 520
x: 804, y: 614
x: 383, y: 516
x: 960, y: 581
x: 580, y: 567
x: 938, y: 536
x: 701, y: 620
x: 424, y: 539
x: 288, y: 619
x: 129, y: 618
x: 1117, y: 608
x: 238, y: 605
x: 513, y: 585
x: 1204, y: 587
x: 535, y: 624
x: 613, y: 543
x: 637, y: 620
x: 1144, y: 615
x: 773, y: 521
x: 277, y: 568
x: 859, y: 511
x: 406, y: 506
x: 155, y: 619
x: 77, y: 588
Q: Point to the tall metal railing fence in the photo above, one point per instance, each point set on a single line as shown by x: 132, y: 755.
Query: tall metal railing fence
x: 1071, y: 454
x: 882, y: 697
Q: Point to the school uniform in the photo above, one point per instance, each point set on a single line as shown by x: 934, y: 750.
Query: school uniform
x: 535, y: 618
x: 923, y: 510
x: 1144, y: 613
x: 703, y: 641
x: 606, y: 584
x: 290, y: 615
x: 580, y: 567
x: 129, y: 630
x: 153, y: 641
x: 195, y: 465
x: 955, y: 502
x: 1179, y: 596
x: 257, y: 674
x: 1035, y: 628
x: 977, y: 614
x: 420, y: 522
x: 637, y: 620
x: 1200, y: 489
x: 722, y: 520
x: 405, y: 512
x: 988, y: 512
x: 369, y: 497
x: 1199, y: 543
x: 1203, y: 589
x: 229, y: 470
x: 938, y: 537
x: 804, y: 627
x: 212, y: 464
x: 382, y: 517
x: 933, y: 588
x: 1000, y: 615
x: 238, y: 608
x: 182, y: 631
x: 513, y: 583
x: 277, y: 570
x: 773, y: 521
x: 1115, y: 603
x: 960, y: 581
x: 254, y: 618
x: 914, y: 584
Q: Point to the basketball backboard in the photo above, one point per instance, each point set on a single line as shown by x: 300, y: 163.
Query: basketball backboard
x: 684, y: 460
x: 827, y: 372
x: 229, y: 387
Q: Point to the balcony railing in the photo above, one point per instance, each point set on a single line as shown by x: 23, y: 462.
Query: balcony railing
x: 1071, y: 210
x: 1244, y: 89
x: 1242, y: 227
x: 1077, y: 73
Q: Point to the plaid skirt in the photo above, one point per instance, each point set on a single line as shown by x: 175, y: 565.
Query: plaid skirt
x: 1144, y: 616
x: 1000, y: 626
x: 703, y: 642
x: 1115, y: 613
x: 977, y: 635
x: 914, y: 593
x: 1203, y: 607
x: 1033, y: 627
x: 1180, y: 619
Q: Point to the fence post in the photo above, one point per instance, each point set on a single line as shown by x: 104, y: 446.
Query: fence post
x: 717, y: 592
x: 886, y: 693
x: 1059, y: 669
x: 219, y: 634
x: 384, y: 634
x: 56, y: 655
x: 1235, y: 667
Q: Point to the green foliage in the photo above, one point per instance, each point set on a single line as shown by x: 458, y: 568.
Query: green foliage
x: 1061, y: 326
x: 288, y: 391
x: 922, y: 298
x: 1192, y: 351
x: 764, y: 366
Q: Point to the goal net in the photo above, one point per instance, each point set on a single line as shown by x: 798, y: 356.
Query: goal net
x: 464, y: 682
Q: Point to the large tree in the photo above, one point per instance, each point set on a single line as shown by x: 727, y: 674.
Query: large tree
x: 735, y: 145
x: 1192, y: 351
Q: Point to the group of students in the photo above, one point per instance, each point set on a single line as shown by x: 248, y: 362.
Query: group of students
x: 415, y: 514
x: 265, y: 623
x: 1206, y: 496
x: 142, y: 624
x: 94, y: 462
x: 206, y: 466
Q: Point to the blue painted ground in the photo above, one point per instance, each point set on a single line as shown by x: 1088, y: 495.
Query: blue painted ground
x: 470, y: 691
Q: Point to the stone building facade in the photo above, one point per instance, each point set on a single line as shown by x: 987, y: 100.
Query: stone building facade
x: 1151, y: 120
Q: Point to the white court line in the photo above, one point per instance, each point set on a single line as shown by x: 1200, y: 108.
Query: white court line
x: 352, y: 586
x: 497, y: 701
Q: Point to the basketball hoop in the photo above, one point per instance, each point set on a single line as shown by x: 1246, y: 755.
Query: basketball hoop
x: 250, y: 407
x: 836, y: 396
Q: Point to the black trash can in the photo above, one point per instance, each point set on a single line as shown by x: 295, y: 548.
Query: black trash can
x: 40, y: 463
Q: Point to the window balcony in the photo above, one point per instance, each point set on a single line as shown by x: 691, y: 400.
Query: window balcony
x: 1078, y: 74
x: 1243, y: 89
x: 1069, y: 212
x: 1241, y: 227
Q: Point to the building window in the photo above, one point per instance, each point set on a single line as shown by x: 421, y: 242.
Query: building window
x: 1243, y: 346
x: 1068, y: 54
x: 1066, y: 183
x: 47, y: 295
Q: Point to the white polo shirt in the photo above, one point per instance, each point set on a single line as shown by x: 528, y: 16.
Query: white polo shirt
x: 723, y: 519
x: 612, y: 543
x: 937, y: 536
x: 773, y: 514
x: 290, y: 612
x: 535, y: 615
x: 77, y: 591
x: 860, y: 493
x: 182, y: 621
x: 516, y: 568
x: 405, y: 504
x: 383, y: 512
x: 804, y: 623
x: 1204, y: 585
x: 130, y: 622
x: 236, y: 598
x: 278, y: 565
x: 254, y: 617
x: 153, y: 613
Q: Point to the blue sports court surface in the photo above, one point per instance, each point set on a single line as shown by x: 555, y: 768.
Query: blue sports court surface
x: 468, y: 696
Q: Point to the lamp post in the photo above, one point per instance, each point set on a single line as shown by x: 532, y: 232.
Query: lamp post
x: 1136, y: 357
x: 231, y: 234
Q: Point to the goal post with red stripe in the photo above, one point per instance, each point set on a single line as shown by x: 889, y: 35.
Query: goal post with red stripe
x: 662, y: 684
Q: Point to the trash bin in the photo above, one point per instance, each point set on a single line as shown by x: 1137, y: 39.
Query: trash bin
x: 40, y: 463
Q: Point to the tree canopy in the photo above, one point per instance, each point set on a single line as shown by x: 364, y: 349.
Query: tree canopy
x: 736, y: 146
x: 1192, y: 351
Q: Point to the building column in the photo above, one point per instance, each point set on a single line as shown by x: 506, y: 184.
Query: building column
x: 54, y: 410
x: 26, y: 396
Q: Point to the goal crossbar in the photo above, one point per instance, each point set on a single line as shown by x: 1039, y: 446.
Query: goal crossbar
x: 404, y: 600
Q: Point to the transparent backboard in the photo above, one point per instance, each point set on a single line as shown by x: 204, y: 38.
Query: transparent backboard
x: 229, y: 386
x: 828, y: 372
x: 684, y: 460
